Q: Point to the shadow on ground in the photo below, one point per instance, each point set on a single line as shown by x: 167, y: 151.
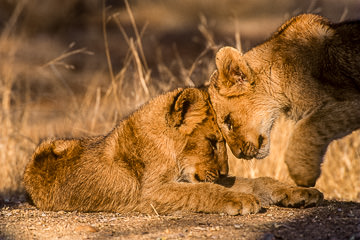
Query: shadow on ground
x: 331, y: 220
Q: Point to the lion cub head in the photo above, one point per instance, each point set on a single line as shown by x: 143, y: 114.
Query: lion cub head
x: 244, y: 112
x: 201, y: 149
x: 189, y: 135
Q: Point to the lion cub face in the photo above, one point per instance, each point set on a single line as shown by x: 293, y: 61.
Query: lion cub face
x: 202, y: 155
x: 244, y: 113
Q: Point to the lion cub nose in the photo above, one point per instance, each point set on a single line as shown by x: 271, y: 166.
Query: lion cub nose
x: 260, y: 141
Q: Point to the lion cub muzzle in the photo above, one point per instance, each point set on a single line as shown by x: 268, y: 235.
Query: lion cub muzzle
x: 199, y: 173
x: 248, y: 149
x: 211, y: 175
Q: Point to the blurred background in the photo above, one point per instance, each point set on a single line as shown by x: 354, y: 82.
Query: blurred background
x: 75, y: 68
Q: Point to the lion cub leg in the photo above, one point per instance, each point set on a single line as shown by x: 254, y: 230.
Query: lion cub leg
x: 273, y: 192
x: 313, y: 134
x: 198, y: 197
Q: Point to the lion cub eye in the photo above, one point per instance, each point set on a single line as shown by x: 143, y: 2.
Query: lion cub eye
x: 213, y: 143
x: 228, y: 122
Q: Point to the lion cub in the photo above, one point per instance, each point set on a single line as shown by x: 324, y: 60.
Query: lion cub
x: 309, y: 70
x: 164, y: 157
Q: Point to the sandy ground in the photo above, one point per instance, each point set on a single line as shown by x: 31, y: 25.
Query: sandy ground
x: 330, y: 220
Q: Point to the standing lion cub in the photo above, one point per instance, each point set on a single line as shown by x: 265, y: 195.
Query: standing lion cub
x: 166, y: 156
x: 309, y: 70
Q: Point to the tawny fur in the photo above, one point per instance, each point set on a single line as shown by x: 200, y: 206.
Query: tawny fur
x: 164, y: 157
x: 272, y: 192
x: 309, y: 70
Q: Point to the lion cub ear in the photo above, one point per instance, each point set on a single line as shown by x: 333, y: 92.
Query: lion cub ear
x: 188, y: 109
x: 231, y: 78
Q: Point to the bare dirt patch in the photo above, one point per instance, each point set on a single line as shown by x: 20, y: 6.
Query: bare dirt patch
x: 330, y: 220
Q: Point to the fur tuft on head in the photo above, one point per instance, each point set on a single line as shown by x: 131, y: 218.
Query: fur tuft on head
x: 305, y: 27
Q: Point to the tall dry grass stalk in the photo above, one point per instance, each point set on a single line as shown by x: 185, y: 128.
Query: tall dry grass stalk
x: 14, y: 147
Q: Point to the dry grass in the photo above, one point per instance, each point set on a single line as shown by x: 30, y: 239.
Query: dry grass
x: 51, y: 87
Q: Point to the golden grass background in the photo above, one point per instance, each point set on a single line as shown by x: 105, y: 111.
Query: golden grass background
x: 75, y: 68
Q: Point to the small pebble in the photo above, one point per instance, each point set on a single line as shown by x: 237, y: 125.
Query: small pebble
x: 200, y: 228
x: 237, y: 226
x: 268, y: 236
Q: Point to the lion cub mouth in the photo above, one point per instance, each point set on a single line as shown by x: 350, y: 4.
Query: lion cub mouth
x: 191, y: 176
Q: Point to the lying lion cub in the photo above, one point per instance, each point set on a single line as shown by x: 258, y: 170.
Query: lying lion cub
x: 310, y: 71
x: 164, y: 157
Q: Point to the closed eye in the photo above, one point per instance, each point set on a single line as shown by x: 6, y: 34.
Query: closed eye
x: 213, y: 143
x: 228, y: 122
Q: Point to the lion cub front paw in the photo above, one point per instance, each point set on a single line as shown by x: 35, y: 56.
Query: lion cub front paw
x: 298, y: 197
x: 241, y: 204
